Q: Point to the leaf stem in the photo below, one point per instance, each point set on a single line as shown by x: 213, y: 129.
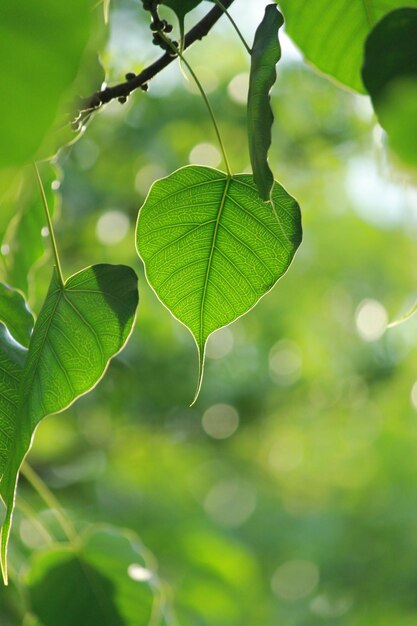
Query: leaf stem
x: 30, y: 513
x: 51, y: 502
x: 235, y: 26
x: 50, y: 226
x: 206, y: 100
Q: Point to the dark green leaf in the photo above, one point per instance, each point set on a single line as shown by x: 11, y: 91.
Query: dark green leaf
x: 266, y: 53
x: 390, y: 53
x: 105, y: 582
x: 212, y: 248
x: 390, y: 76
x: 332, y: 33
x: 81, y: 326
x: 181, y: 7
x: 15, y: 314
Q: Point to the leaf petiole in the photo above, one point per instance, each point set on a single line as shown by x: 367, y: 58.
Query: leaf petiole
x: 51, y: 502
x: 235, y: 26
x: 50, y: 227
x: 205, y: 98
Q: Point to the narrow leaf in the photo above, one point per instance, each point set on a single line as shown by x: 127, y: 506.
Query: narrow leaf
x: 212, y: 248
x: 15, y: 314
x: 266, y: 52
x: 81, y: 326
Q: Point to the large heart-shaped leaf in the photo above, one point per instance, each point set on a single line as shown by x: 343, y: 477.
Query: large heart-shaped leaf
x: 107, y: 574
x: 391, y: 78
x: 265, y: 54
x: 212, y: 248
x: 81, y: 326
x: 41, y: 47
x: 15, y: 314
x: 332, y: 33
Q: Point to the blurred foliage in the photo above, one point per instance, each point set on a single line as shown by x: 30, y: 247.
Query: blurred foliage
x: 288, y: 494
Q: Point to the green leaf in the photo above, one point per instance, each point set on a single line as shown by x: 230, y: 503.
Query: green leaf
x: 105, y: 582
x: 332, y: 33
x: 81, y: 326
x: 266, y: 52
x: 397, y: 32
x: 212, y: 248
x: 23, y: 244
x: 15, y: 314
x: 181, y: 8
x: 12, y: 360
x: 41, y: 47
x: 390, y: 76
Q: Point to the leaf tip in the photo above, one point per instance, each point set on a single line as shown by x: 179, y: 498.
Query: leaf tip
x: 201, y: 358
x: 4, y: 537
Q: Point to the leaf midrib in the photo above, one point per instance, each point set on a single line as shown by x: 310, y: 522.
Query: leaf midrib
x: 25, y: 384
x: 213, y: 246
x: 369, y: 12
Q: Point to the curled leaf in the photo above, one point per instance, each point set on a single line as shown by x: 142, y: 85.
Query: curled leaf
x: 266, y: 52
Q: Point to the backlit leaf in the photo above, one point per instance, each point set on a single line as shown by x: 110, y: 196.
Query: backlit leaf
x: 12, y: 360
x: 15, y: 315
x: 81, y: 326
x: 331, y: 33
x: 266, y: 53
x: 212, y: 248
x: 41, y: 47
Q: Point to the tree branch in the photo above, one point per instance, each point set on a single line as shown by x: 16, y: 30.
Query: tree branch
x: 138, y: 81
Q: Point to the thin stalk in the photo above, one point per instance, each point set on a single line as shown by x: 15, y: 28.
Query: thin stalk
x: 206, y: 100
x: 50, y: 227
x: 31, y: 514
x: 51, y: 502
x: 235, y: 26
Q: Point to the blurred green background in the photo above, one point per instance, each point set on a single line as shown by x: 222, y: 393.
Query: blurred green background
x: 287, y: 496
